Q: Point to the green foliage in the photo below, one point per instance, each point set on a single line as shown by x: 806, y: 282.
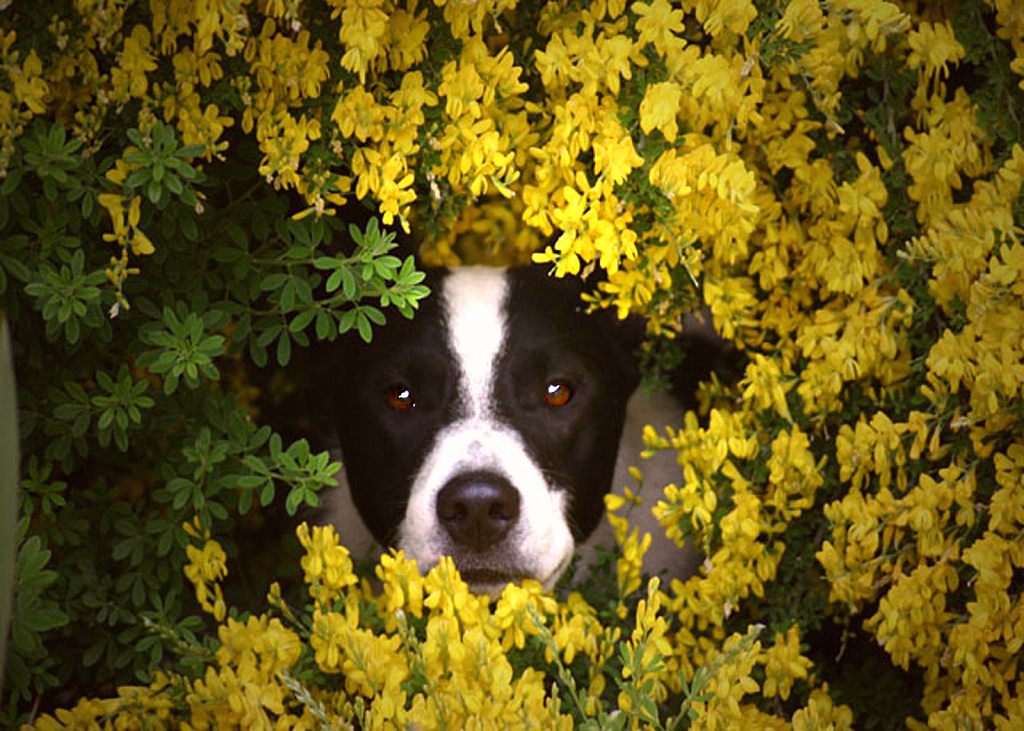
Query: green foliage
x: 184, y: 348
x: 34, y: 614
x: 68, y: 297
x: 128, y: 430
x: 162, y: 166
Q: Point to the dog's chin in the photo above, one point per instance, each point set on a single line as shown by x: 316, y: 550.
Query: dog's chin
x: 483, y: 577
x: 490, y: 581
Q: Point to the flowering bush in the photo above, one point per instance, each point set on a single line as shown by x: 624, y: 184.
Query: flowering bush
x: 839, y: 183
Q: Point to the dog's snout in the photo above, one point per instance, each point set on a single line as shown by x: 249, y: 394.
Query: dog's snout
x: 477, y: 510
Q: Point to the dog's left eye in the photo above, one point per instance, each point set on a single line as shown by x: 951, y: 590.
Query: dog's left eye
x: 557, y: 393
x: 400, y: 398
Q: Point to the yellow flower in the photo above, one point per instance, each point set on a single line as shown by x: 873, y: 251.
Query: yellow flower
x: 629, y: 566
x: 358, y: 114
x: 468, y: 20
x: 448, y: 595
x: 201, y: 126
x: 372, y: 665
x: 822, y: 713
x: 733, y: 16
x: 932, y: 47
x: 129, y: 79
x: 363, y: 26
x: 658, y: 23
x: 801, y: 19
x: 226, y: 698
x: 660, y: 107
x: 408, y: 101
x: 910, y: 614
x: 575, y: 629
x: 794, y: 474
x: 205, y: 568
x: 618, y: 54
x: 286, y: 68
x: 395, y: 191
x: 783, y: 664
x: 615, y: 158
x: 511, y: 615
x: 407, y: 35
x: 462, y: 88
x: 403, y: 584
x: 330, y: 632
x: 30, y: 88
x: 283, y: 140
x: 326, y: 564
x: 141, y: 245
x: 763, y: 385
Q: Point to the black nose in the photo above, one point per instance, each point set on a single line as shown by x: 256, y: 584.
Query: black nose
x: 478, y: 509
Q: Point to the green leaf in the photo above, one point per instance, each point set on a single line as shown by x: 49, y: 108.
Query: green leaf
x: 137, y: 178
x: 155, y: 192
x: 249, y: 482
x: 44, y: 618
x: 273, y: 281
x: 93, y: 654
x: 363, y: 326
x: 11, y: 182
x: 293, y: 501
x: 287, y: 300
x: 301, y: 321
x: 284, y: 349
x: 374, y: 315
x: 190, y: 151
x: 173, y: 184
x: 350, y: 286
x: 325, y: 325
x: 327, y: 262
x: 136, y: 138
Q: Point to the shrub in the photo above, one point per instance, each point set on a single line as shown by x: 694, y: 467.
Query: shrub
x: 839, y: 183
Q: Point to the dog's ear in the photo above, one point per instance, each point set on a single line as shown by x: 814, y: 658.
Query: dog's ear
x: 704, y: 352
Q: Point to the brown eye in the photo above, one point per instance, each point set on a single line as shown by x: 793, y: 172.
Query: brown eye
x: 400, y: 398
x: 557, y: 393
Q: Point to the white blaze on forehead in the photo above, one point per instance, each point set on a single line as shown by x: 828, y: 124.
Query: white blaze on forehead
x: 474, y: 301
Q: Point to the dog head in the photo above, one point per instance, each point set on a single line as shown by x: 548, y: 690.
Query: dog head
x: 486, y: 428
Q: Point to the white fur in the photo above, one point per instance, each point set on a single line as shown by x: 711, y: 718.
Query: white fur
x: 474, y: 302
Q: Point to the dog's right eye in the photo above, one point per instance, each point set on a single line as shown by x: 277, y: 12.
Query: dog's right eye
x: 400, y: 398
x: 557, y: 393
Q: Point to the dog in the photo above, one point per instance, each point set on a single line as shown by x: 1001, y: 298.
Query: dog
x: 490, y: 427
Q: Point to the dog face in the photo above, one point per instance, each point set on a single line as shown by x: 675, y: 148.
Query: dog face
x: 486, y: 428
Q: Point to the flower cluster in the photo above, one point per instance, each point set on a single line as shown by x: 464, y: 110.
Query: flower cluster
x: 206, y: 567
x: 436, y: 655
